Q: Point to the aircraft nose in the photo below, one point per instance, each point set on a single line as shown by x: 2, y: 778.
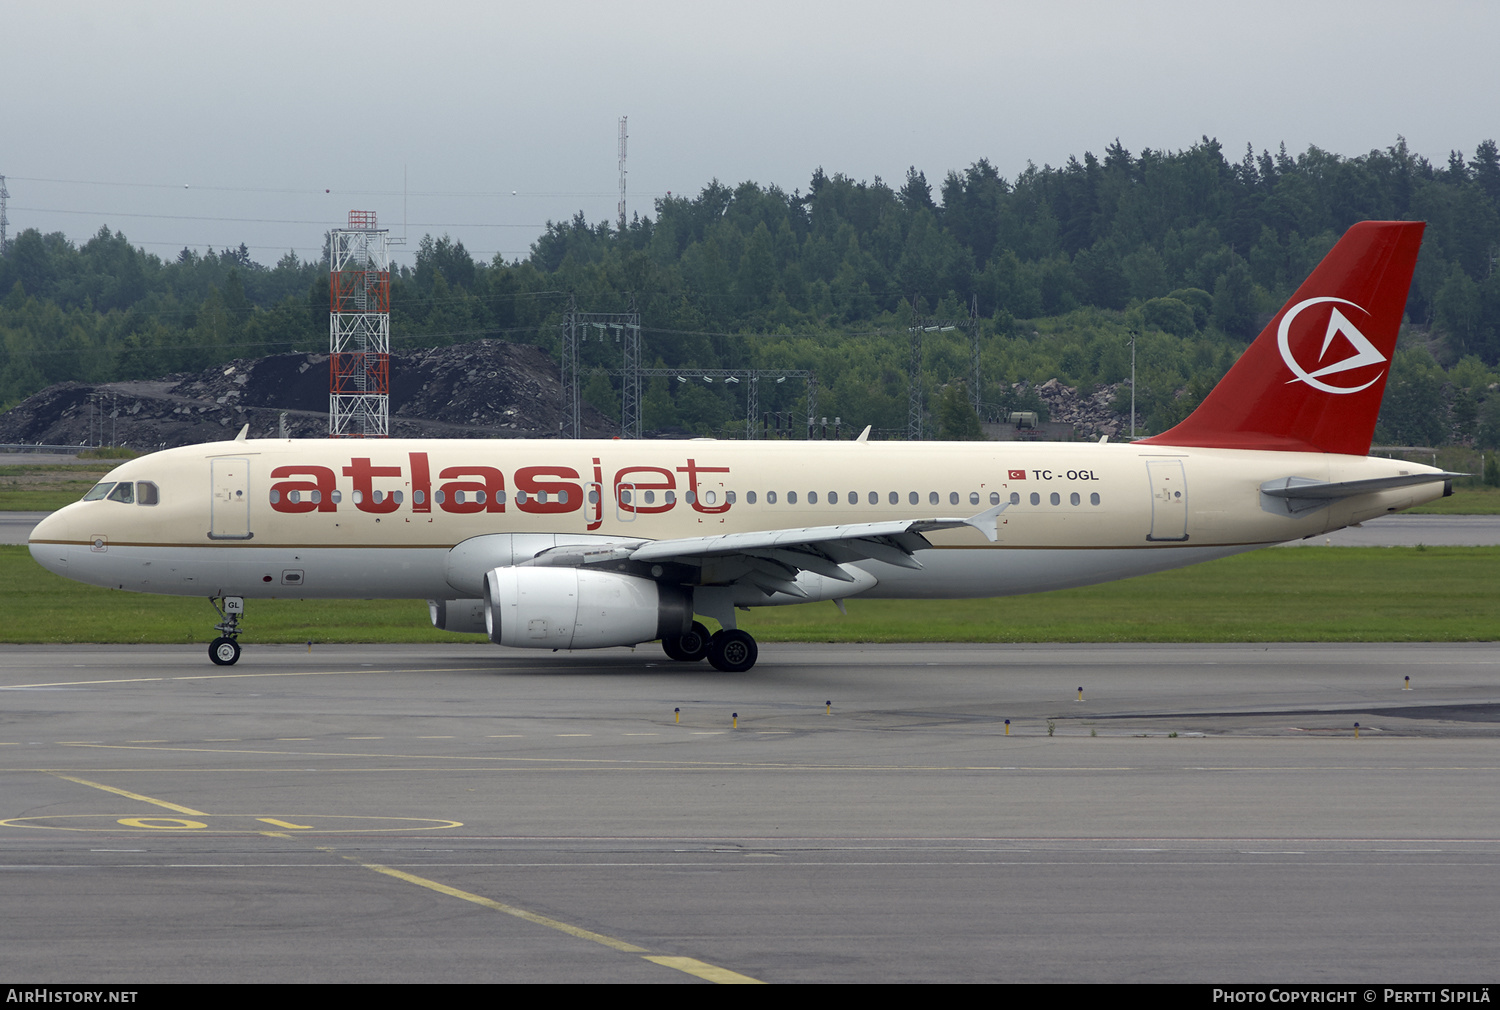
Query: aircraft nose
x: 44, y: 546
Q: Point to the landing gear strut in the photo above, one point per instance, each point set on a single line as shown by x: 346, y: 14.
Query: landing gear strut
x: 225, y: 650
x: 689, y: 648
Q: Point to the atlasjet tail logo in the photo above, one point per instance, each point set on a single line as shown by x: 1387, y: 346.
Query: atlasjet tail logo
x: 1338, y: 325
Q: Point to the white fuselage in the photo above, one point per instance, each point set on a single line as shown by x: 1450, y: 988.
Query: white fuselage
x: 405, y: 518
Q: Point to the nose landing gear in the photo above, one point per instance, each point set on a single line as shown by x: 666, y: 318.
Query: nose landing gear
x: 225, y: 650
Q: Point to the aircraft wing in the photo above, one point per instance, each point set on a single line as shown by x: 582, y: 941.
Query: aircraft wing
x: 771, y: 559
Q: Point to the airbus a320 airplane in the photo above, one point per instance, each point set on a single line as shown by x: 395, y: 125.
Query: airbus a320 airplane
x: 590, y: 544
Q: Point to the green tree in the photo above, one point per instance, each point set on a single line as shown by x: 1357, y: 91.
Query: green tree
x: 956, y: 419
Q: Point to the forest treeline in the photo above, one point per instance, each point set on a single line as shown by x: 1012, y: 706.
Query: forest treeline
x: 1188, y: 251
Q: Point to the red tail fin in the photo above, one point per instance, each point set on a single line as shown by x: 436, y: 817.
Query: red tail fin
x: 1312, y: 381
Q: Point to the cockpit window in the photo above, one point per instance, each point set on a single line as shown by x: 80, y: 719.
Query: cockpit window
x: 98, y: 491
x: 124, y: 491
x: 147, y: 494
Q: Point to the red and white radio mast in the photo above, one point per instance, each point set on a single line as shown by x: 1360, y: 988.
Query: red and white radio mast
x: 359, y: 329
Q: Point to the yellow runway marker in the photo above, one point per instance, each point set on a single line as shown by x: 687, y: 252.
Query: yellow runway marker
x: 691, y: 966
x: 285, y: 824
x: 133, y: 796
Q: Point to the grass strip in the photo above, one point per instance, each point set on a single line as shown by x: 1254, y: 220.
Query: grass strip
x: 1312, y: 594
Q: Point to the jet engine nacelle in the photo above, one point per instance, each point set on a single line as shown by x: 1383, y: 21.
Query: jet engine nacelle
x: 574, y: 608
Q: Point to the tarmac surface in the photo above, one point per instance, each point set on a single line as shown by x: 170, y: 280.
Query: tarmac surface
x: 464, y: 813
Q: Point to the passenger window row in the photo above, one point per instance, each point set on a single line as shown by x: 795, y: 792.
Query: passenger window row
x: 628, y: 496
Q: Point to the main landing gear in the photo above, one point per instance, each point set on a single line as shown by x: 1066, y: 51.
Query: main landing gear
x: 690, y: 647
x: 731, y: 650
x: 225, y: 650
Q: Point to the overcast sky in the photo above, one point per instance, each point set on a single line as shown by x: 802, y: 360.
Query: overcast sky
x: 207, y: 125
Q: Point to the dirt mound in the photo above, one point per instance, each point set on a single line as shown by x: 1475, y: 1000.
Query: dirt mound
x: 485, y: 389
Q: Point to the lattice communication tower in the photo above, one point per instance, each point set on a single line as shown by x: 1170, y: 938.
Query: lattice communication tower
x: 623, y: 137
x: 4, y: 221
x: 359, y: 329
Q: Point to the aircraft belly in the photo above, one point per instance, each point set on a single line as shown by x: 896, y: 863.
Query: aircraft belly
x: 259, y: 573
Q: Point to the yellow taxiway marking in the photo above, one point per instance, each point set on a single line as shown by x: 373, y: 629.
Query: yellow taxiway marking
x: 704, y: 970
x: 689, y: 965
x: 133, y: 796
x: 182, y: 824
x: 162, y: 823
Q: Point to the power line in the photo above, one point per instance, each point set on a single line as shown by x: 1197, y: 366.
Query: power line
x: 314, y: 191
x: 323, y: 223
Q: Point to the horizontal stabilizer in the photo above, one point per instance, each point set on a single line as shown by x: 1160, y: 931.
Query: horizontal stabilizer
x: 1302, y: 487
x: 1304, y: 494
